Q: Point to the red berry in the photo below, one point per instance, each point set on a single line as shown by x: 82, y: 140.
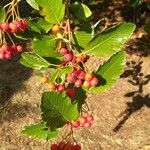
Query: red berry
x: 54, y: 147
x: 70, y: 78
x: 19, y: 48
x: 61, y: 145
x: 70, y: 92
x: 8, y: 55
x: 82, y: 120
x: 13, y: 27
x: 86, y: 84
x: 88, y: 77
x: 74, y: 59
x: 2, y: 55
x: 14, y: 48
x: 90, y: 118
x: 75, y: 124
x: 63, y: 51
x: 5, y: 26
x: 94, y: 81
x: 77, y: 147
x: 68, y: 57
x: 52, y: 86
x: 60, y: 88
x: 0, y: 25
x: 78, y: 83
x: 81, y: 75
x: 87, y: 125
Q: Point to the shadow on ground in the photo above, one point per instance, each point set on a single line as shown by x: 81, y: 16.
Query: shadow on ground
x: 139, y: 99
x: 12, y: 76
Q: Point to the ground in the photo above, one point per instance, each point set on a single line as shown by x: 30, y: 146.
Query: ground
x: 122, y: 120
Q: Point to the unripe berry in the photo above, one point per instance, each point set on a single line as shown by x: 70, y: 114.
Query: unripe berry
x: 94, y: 81
x: 75, y: 124
x: 90, y: 118
x: 59, y: 35
x: 88, y: 77
x: 52, y: 86
x: 82, y: 120
x: 78, y: 83
x: 54, y: 147
x: 5, y: 26
x: 68, y: 57
x: 87, y: 125
x: 60, y: 88
x: 86, y: 84
x: 63, y: 51
x: 56, y: 29
x: 70, y: 92
x: 45, y: 79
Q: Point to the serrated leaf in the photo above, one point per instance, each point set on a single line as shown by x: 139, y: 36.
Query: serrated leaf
x: 39, y: 131
x: 52, y: 10
x: 33, y: 4
x: 111, y: 41
x: 110, y: 72
x: 35, y: 60
x: 81, y: 11
x: 2, y: 14
x: 45, y: 47
x: 81, y: 38
x: 26, y: 64
x: 39, y: 25
x: 57, y: 109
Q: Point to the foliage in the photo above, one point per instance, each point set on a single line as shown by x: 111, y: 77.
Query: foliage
x: 59, y: 53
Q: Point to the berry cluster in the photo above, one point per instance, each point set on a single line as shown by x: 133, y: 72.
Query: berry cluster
x: 83, y: 121
x: 81, y: 78
x: 7, y: 51
x: 61, y: 88
x: 65, y: 146
x: 14, y: 27
x: 68, y: 56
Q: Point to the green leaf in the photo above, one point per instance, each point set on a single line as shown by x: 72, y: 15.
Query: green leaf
x: 111, y: 41
x: 110, y: 72
x: 87, y: 11
x: 33, y: 4
x: 39, y: 25
x: 59, y: 72
x: 39, y: 131
x: 52, y: 10
x: 2, y: 14
x: 81, y: 11
x: 35, y: 60
x: 28, y: 34
x: 81, y: 38
x: 45, y: 47
x: 57, y: 109
x: 135, y: 3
